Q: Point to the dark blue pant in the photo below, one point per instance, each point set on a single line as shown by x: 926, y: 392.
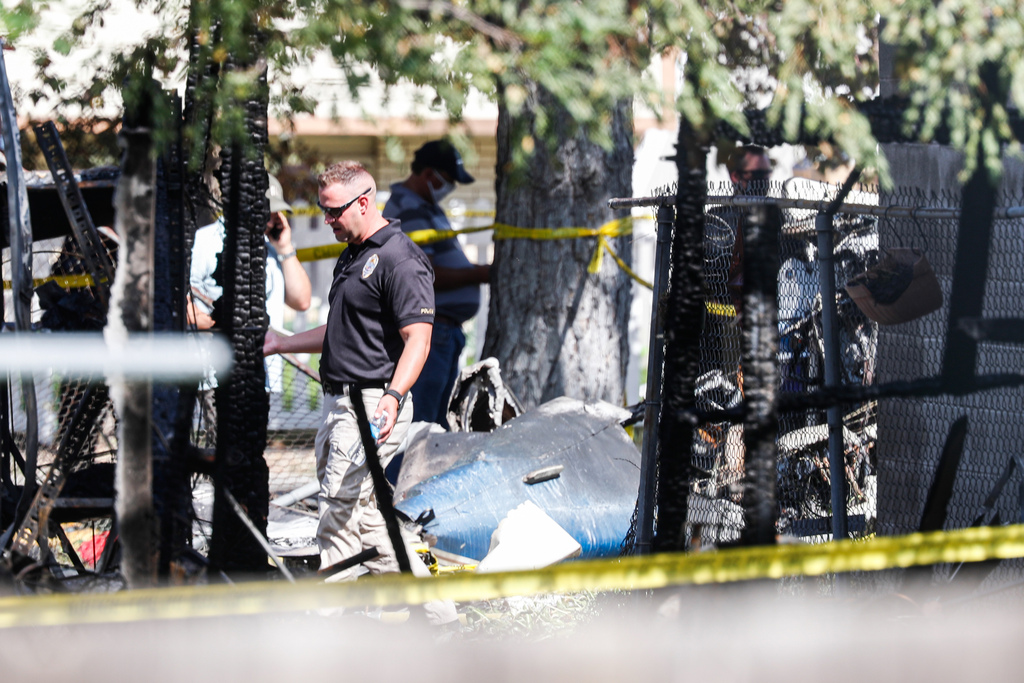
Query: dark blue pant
x: 432, y: 390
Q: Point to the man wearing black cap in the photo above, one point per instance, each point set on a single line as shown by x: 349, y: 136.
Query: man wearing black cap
x: 436, y: 167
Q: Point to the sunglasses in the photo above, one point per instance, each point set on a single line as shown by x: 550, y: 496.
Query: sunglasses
x: 755, y: 175
x: 334, y: 212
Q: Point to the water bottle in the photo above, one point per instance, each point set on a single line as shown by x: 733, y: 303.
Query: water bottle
x: 378, y: 424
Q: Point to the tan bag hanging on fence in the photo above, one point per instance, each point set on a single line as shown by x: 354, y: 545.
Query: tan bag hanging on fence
x: 900, y: 288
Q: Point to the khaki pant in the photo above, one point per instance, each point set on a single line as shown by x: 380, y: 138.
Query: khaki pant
x: 349, y: 519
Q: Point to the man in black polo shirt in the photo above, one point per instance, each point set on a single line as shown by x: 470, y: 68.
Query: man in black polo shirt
x: 376, y: 338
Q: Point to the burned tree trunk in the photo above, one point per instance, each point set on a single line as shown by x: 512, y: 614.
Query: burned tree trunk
x: 555, y: 328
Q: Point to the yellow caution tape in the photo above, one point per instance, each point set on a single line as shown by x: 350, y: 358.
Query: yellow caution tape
x: 430, y: 236
x: 324, y: 251
x: 65, y: 281
x: 629, y: 573
x: 595, y: 263
x: 615, y: 228
x: 727, y: 310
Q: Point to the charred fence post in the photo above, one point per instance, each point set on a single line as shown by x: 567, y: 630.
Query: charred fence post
x: 683, y: 325
x: 242, y: 400
x: 967, y: 294
x: 132, y: 312
x: 760, y: 325
x: 172, y: 405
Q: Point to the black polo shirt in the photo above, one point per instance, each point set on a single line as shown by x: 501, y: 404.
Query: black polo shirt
x: 379, y: 287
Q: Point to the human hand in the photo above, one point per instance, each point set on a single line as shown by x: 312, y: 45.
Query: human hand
x: 279, y: 232
x: 197, y: 317
x: 388, y: 409
x: 272, y: 343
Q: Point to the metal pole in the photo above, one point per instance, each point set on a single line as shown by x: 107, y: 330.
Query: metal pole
x: 830, y: 329
x: 652, y: 404
x: 20, y: 226
x: 132, y: 311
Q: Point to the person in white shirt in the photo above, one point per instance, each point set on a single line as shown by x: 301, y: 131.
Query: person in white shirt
x: 287, y: 281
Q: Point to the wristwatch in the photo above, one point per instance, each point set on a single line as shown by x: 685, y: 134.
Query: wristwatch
x: 398, y: 397
x: 282, y: 257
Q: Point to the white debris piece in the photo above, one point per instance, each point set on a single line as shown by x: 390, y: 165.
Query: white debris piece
x: 528, y: 539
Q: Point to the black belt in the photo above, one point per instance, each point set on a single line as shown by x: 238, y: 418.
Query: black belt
x: 345, y: 388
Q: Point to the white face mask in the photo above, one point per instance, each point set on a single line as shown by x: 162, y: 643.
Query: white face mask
x: 439, y: 193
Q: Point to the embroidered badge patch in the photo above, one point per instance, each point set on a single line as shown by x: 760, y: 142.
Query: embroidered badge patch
x: 370, y: 265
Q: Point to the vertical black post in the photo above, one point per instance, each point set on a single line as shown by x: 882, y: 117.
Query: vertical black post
x: 830, y: 331
x: 172, y: 405
x: 973, y: 240
x: 761, y: 226
x: 652, y: 404
x: 684, y: 317
x: 967, y: 295
x: 242, y: 400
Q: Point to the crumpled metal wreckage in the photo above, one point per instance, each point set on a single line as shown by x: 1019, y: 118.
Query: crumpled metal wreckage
x: 570, y: 458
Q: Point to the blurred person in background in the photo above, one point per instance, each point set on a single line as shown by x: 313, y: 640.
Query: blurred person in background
x: 287, y: 281
x: 416, y: 201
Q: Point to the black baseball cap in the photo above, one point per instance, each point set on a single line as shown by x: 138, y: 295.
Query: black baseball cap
x: 442, y: 155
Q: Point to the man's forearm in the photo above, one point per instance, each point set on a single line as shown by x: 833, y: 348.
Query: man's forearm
x: 414, y: 355
x: 310, y: 341
x: 297, y: 288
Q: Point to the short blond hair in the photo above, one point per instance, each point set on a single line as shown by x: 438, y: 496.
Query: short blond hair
x: 343, y: 173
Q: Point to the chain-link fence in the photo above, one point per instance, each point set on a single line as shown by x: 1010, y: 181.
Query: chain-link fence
x: 75, y: 420
x: 913, y: 432
x: 296, y: 401
x: 893, y: 447
x: 76, y: 417
x: 803, y: 473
